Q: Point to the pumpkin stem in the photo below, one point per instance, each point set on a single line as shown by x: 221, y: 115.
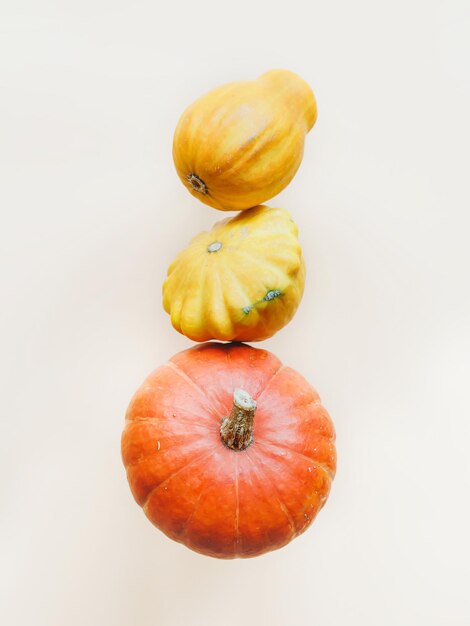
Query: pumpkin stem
x: 236, y: 430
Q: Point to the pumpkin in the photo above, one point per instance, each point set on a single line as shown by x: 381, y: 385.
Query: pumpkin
x: 242, y: 280
x: 228, y: 451
x: 242, y: 143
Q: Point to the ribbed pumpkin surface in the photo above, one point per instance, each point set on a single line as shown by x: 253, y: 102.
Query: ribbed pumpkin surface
x: 215, y: 500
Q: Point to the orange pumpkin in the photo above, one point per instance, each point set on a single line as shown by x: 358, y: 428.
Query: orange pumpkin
x: 228, y: 451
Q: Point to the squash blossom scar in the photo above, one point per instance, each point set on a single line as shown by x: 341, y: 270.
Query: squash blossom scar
x: 214, y: 247
x: 196, y: 183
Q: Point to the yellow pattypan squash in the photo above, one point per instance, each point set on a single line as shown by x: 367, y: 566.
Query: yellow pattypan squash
x: 241, y: 281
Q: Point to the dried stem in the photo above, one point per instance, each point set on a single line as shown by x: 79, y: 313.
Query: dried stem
x: 236, y: 430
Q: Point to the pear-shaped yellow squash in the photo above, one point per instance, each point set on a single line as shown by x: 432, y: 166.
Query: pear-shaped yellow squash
x: 241, y: 144
x: 241, y: 281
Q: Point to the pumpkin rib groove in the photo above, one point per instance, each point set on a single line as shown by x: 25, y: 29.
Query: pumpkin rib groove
x: 315, y: 430
x: 269, y: 381
x: 265, y: 531
x: 329, y: 472
x: 315, y: 401
x: 171, y: 364
x: 173, y: 474
x: 166, y: 420
x: 229, y: 369
x: 149, y: 456
x: 235, y: 461
x: 184, y: 534
x: 278, y: 500
x: 196, y: 504
x: 282, y: 504
x: 318, y: 433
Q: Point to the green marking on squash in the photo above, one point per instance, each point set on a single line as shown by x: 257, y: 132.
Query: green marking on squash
x: 274, y: 293
x: 271, y: 295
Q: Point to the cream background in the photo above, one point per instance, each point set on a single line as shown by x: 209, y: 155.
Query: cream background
x: 92, y: 214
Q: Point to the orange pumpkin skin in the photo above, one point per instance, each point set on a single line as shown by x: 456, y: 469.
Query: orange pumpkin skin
x: 215, y: 500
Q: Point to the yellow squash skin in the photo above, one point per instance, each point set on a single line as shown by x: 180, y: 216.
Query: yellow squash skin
x: 241, y: 281
x: 242, y: 143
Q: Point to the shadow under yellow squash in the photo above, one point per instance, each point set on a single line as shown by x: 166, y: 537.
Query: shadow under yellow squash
x: 241, y: 281
x: 242, y: 143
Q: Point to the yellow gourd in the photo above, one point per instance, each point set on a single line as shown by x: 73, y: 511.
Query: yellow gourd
x: 241, y: 281
x: 242, y: 143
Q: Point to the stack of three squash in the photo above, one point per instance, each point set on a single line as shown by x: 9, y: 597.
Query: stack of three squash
x: 206, y: 470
